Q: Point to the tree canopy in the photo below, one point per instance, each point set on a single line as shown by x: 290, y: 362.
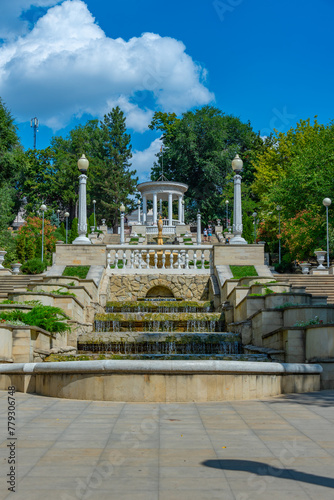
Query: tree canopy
x: 198, y: 150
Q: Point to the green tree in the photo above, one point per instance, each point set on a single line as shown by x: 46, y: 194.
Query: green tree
x: 198, y: 150
x: 113, y: 181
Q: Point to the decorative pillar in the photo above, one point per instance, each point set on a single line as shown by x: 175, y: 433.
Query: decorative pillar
x: 237, y: 214
x: 237, y: 165
x: 170, y: 209
x: 199, y: 229
x: 82, y: 219
x: 180, y: 209
x: 155, y: 207
x: 144, y: 209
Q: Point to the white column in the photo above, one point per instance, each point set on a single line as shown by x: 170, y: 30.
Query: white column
x: 122, y: 228
x: 180, y: 209
x: 155, y: 209
x: 170, y: 209
x: 199, y: 233
x: 237, y: 214
x: 139, y: 213
x: 144, y: 209
x: 82, y: 219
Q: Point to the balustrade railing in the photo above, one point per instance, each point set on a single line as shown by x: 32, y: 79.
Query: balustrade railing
x: 165, y: 229
x: 198, y: 257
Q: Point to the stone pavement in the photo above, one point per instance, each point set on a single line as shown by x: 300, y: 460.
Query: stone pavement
x: 278, y: 448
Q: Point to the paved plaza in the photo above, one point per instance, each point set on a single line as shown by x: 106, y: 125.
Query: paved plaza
x: 278, y: 448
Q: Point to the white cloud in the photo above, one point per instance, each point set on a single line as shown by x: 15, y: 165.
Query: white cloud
x: 66, y: 66
x: 10, y: 23
x: 143, y: 161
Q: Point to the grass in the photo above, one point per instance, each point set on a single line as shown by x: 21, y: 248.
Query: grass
x: 243, y: 271
x: 77, y: 271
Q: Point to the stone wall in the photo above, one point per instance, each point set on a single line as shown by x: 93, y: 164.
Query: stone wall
x: 134, y: 287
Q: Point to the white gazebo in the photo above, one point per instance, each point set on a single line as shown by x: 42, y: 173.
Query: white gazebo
x: 165, y: 191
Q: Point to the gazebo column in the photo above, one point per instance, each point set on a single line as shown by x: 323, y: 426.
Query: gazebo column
x: 155, y: 209
x: 144, y: 209
x: 170, y: 209
x: 180, y: 209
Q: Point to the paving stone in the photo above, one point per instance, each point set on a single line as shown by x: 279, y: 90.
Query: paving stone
x: 276, y: 448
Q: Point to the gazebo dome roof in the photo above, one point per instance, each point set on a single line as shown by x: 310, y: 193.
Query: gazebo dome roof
x: 162, y: 189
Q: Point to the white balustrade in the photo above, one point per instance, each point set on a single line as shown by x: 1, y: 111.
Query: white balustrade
x: 176, y: 257
x: 165, y: 229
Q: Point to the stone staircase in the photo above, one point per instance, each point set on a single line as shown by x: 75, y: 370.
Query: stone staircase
x: 314, y: 284
x: 10, y: 284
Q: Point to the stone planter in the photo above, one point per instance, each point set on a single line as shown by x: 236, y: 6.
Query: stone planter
x: 320, y: 254
x: 2, y: 256
x: 305, y: 267
x: 16, y: 268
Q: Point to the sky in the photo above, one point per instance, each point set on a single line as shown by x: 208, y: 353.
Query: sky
x: 266, y: 61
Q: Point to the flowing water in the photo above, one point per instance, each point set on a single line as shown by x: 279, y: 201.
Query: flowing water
x: 161, y: 329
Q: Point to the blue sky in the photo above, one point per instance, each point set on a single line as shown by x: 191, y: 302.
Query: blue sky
x: 267, y: 61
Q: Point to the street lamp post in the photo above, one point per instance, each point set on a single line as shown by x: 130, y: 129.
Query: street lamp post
x: 226, y: 204
x: 237, y: 165
x: 58, y: 212
x: 82, y: 239
x: 327, y: 202
x: 66, y: 219
x: 138, y: 203
x: 122, y: 209
x: 94, y: 203
x: 254, y: 214
x: 43, y: 208
x: 278, y: 208
x: 199, y: 229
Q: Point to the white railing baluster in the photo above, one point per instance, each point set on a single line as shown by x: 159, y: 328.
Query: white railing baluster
x: 159, y: 257
x: 202, y: 259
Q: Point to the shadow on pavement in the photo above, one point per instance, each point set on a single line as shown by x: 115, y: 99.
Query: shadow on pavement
x: 262, y: 469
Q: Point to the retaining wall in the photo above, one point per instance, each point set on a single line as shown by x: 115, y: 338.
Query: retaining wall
x: 160, y: 381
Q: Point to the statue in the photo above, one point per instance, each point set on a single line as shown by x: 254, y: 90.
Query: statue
x: 160, y: 226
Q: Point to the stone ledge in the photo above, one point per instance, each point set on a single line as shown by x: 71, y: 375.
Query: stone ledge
x: 168, y: 367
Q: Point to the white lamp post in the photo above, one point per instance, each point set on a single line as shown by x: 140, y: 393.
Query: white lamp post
x: 66, y: 219
x: 226, y: 204
x: 278, y: 208
x: 94, y: 203
x: 237, y: 165
x: 58, y: 212
x: 122, y: 209
x: 327, y: 202
x: 199, y: 229
x: 138, y: 203
x: 82, y: 239
x: 254, y: 214
x: 43, y: 208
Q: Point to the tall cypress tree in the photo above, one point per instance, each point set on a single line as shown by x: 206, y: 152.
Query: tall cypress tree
x: 113, y: 181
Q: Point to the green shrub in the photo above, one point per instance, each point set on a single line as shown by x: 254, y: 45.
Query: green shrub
x: 77, y: 271
x: 34, y: 266
x: 47, y: 317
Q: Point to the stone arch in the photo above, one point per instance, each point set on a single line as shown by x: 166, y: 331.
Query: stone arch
x: 162, y: 282
x: 160, y: 291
